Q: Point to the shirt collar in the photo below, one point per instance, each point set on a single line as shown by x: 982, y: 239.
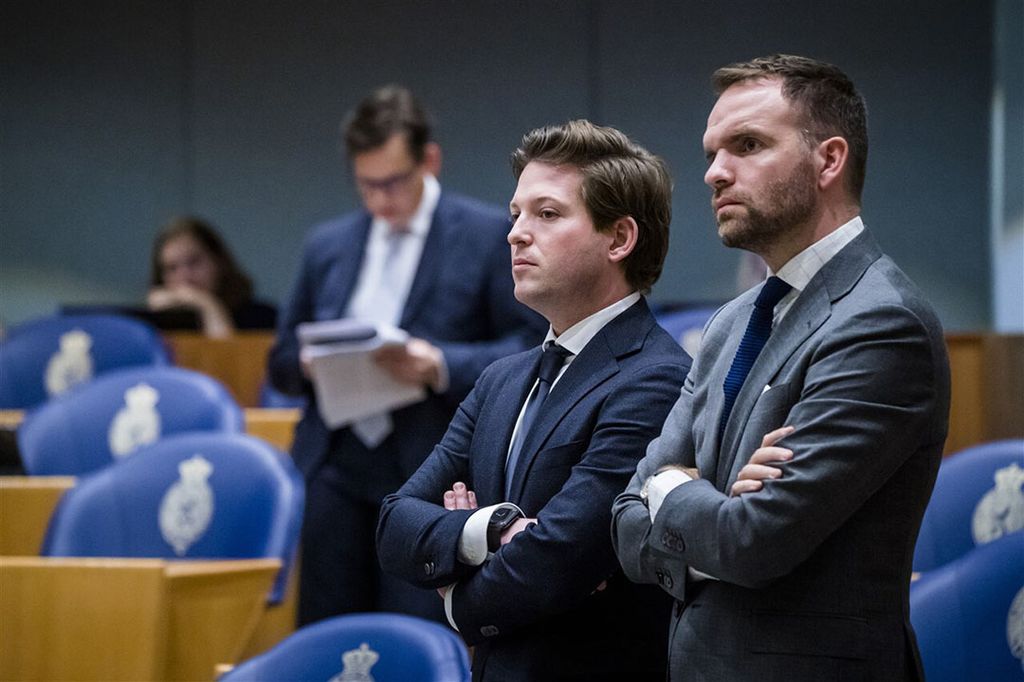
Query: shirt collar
x: 576, y: 337
x: 801, y: 268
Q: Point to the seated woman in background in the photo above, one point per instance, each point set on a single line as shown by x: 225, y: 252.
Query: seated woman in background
x: 193, y: 269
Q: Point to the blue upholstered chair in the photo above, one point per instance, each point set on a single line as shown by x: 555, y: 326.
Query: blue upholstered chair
x: 112, y: 416
x: 190, y: 496
x: 44, y: 358
x: 388, y: 647
x: 978, y: 497
x: 686, y: 326
x: 969, y: 614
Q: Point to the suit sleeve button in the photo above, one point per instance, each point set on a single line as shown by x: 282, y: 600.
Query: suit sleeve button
x: 428, y: 568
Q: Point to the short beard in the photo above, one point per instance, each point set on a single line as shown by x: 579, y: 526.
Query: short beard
x: 790, y: 203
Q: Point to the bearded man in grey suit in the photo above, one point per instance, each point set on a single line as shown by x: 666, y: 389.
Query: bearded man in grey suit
x: 781, y: 503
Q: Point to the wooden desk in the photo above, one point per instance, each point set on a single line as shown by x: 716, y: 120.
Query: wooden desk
x: 274, y: 425
x: 26, y: 504
x: 987, y: 388
x: 239, y: 362
x: 126, y: 619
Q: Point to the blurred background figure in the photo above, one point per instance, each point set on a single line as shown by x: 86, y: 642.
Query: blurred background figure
x: 193, y: 269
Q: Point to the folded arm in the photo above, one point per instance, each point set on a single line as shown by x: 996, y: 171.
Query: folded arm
x: 556, y: 563
x: 867, y: 401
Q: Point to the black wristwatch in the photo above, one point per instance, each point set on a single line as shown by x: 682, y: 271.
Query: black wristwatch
x: 501, y: 518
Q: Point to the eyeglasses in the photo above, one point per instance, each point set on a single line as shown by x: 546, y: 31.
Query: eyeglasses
x: 388, y: 185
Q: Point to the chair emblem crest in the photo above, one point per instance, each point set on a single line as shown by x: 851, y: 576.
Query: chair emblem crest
x: 187, y: 506
x: 356, y: 664
x: 1015, y: 627
x: 137, y: 423
x: 1001, y: 510
x: 70, y: 365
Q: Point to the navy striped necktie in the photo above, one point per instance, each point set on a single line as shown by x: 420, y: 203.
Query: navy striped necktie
x: 550, y: 364
x: 759, y: 328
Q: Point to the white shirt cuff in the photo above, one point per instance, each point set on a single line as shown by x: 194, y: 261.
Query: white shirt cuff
x: 443, y: 377
x: 448, y: 605
x: 473, y: 540
x: 699, y: 575
x: 661, y: 485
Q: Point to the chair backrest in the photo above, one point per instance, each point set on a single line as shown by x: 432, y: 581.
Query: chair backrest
x: 190, y: 496
x: 686, y: 326
x: 114, y: 415
x: 969, y: 614
x: 385, y: 647
x: 978, y: 497
x: 43, y: 358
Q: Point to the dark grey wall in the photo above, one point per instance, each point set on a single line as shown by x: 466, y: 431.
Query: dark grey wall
x: 115, y: 115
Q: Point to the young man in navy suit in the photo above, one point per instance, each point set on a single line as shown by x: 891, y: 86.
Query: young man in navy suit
x: 508, y: 517
x: 432, y: 263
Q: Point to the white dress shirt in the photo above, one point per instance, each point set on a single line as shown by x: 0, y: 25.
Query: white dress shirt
x: 367, y: 303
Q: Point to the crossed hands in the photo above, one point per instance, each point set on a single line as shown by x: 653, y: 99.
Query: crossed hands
x: 460, y: 497
x: 753, y: 474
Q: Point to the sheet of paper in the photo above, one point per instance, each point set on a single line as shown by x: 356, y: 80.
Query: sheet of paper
x: 348, y: 383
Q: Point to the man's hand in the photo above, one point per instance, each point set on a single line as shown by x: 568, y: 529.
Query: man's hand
x: 459, y: 497
x: 759, y: 467
x: 416, y: 362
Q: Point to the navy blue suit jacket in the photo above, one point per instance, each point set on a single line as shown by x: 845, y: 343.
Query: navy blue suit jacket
x: 532, y: 610
x: 461, y: 301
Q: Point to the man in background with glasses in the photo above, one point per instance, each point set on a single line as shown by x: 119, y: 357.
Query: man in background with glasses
x: 432, y: 263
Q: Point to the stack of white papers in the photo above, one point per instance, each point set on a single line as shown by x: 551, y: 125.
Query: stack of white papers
x: 349, y: 385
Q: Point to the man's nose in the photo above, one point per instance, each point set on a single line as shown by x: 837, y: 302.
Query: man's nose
x: 516, y: 233
x: 718, y: 173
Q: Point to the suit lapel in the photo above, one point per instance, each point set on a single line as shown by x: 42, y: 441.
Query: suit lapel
x: 596, y: 363
x: 444, y: 223
x: 708, y: 458
x: 808, y: 313
x: 346, y: 266
x: 810, y: 310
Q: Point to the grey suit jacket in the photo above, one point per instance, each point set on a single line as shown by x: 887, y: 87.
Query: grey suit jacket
x: 814, y: 569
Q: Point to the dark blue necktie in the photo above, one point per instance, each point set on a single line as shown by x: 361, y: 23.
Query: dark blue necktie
x: 550, y: 364
x: 759, y: 328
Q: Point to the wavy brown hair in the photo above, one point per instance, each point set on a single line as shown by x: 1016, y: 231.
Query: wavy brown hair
x: 620, y: 178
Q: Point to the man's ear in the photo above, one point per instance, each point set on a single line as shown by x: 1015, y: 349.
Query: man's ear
x: 432, y: 158
x: 831, y: 158
x: 624, y: 232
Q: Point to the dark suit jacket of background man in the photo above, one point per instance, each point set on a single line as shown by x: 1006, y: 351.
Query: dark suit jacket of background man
x: 814, y: 568
x: 461, y: 301
x: 532, y: 611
